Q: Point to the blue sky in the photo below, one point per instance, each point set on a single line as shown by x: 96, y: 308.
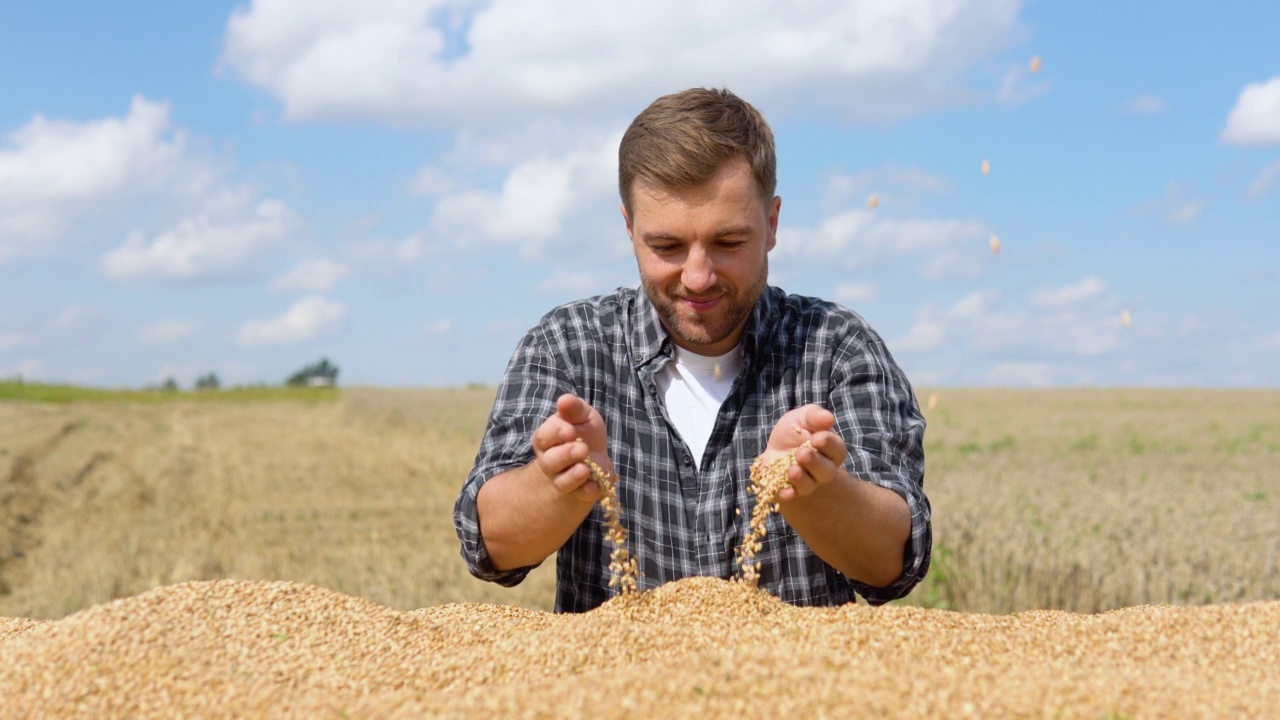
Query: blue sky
x: 405, y: 186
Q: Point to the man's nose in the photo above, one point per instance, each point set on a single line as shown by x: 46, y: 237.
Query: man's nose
x: 699, y: 274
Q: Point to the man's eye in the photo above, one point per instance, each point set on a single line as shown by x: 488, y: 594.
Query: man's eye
x: 732, y: 244
x: 663, y: 249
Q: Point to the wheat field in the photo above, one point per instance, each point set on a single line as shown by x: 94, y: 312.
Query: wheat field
x: 1097, y: 554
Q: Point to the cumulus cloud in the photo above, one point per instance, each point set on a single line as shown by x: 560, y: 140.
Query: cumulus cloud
x: 1255, y: 119
x: 854, y: 293
x: 1145, y: 104
x: 52, y: 172
x: 220, y: 241
x: 538, y: 200
x: 861, y: 238
x: 74, y: 316
x: 889, y: 182
x: 1180, y: 205
x: 1079, y: 320
x: 1089, y: 288
x: 10, y: 340
x: 423, y: 60
x: 1020, y: 86
x: 167, y: 332
x: 1266, y: 180
x: 315, y: 275
x: 309, y: 318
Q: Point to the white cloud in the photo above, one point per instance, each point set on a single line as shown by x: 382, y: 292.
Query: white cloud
x: 53, y: 172
x: 860, y: 238
x: 431, y: 181
x: 77, y: 316
x: 567, y: 283
x: 10, y: 340
x: 309, y: 318
x: 1079, y: 320
x: 168, y: 331
x: 423, y: 60
x: 1184, y: 211
x: 844, y: 190
x: 1019, y: 86
x: 440, y: 327
x: 230, y: 231
x: 315, y: 275
x: 539, y: 198
x: 853, y: 293
x: 1089, y: 288
x: 1146, y: 104
x: 1264, y: 182
x: 383, y: 253
x: 1255, y: 119
x: 1179, y: 205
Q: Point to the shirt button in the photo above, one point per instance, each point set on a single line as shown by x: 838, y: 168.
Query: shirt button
x: 688, y: 460
x: 653, y: 388
x: 638, y: 357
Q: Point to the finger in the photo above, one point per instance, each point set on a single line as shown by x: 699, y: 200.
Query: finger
x: 801, y: 483
x: 831, y: 446
x: 573, y: 409
x: 557, y: 459
x: 815, y: 467
x: 573, y: 477
x: 817, y: 418
x: 552, y: 432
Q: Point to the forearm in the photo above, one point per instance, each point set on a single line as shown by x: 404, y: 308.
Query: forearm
x: 523, y: 519
x: 859, y: 528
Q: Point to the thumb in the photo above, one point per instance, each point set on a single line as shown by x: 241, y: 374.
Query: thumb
x: 817, y: 418
x: 573, y: 409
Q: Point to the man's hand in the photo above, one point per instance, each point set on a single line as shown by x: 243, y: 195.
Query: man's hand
x: 815, y: 466
x: 529, y: 512
x: 563, y: 441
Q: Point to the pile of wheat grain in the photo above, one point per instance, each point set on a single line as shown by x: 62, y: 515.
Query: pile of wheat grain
x: 696, y: 647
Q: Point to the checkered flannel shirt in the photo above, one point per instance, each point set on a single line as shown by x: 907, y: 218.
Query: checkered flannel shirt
x: 681, y: 519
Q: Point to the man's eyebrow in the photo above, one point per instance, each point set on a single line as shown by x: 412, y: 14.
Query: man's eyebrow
x: 734, y: 230
x: 729, y: 231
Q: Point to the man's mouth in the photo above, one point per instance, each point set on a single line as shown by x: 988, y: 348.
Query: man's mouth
x: 702, y: 305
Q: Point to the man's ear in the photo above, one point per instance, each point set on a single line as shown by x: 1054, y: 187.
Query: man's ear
x: 773, y: 223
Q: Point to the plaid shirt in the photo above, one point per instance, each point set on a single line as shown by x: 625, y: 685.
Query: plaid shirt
x: 681, y: 520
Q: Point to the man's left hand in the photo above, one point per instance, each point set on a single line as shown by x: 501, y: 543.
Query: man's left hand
x: 814, y: 466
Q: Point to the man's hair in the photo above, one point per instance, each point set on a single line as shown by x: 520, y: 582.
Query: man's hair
x: 683, y: 139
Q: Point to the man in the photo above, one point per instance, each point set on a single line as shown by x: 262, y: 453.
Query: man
x: 680, y: 386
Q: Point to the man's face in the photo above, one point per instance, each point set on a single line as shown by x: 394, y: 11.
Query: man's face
x: 703, y: 254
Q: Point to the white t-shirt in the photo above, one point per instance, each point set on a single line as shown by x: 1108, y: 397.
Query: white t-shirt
x: 693, y: 393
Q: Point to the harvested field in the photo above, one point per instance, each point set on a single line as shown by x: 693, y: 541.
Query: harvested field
x: 297, y: 559
x: 700, y: 647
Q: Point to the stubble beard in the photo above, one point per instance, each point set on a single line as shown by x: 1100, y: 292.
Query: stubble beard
x: 691, y: 329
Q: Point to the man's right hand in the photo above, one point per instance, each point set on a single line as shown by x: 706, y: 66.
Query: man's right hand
x: 564, y: 441
x: 527, y: 513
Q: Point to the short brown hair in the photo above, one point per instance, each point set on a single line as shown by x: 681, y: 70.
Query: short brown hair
x: 681, y: 140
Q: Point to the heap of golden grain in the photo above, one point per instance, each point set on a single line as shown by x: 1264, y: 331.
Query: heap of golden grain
x: 699, y: 646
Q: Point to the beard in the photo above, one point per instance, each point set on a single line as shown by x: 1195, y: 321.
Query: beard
x: 692, y: 329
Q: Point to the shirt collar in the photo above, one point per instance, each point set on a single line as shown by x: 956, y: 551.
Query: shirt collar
x: 649, y: 338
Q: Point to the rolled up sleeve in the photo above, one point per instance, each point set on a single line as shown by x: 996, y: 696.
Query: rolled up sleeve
x: 877, y: 414
x: 526, y: 396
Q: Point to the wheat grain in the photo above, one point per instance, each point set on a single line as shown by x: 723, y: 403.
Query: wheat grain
x: 622, y: 566
x: 768, y: 478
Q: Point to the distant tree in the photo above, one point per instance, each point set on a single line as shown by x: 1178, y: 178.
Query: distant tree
x: 321, y: 373
x: 207, y: 382
x: 169, y: 385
